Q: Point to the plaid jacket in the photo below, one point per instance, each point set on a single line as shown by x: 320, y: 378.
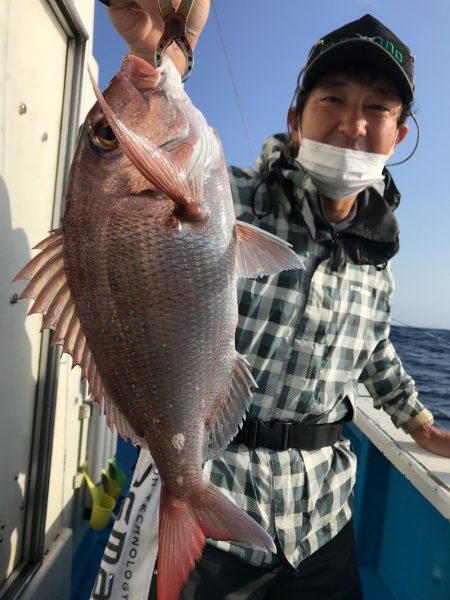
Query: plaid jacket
x: 310, y: 336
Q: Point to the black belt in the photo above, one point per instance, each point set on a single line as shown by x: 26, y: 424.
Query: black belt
x: 281, y: 435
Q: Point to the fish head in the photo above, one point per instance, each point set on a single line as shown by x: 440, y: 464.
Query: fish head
x: 151, y: 103
x: 144, y: 136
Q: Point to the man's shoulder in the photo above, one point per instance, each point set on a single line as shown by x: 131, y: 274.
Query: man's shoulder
x: 243, y: 183
x: 242, y: 175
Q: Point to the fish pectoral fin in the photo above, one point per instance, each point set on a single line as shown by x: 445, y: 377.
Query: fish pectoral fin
x: 261, y: 253
x: 183, y: 186
x: 49, y: 289
x: 224, y: 425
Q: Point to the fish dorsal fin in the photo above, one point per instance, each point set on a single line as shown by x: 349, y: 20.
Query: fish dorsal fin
x: 114, y: 417
x: 224, y: 424
x: 182, y: 185
x: 261, y: 253
x: 49, y: 289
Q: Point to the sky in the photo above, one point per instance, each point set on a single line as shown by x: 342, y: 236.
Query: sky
x: 245, y: 92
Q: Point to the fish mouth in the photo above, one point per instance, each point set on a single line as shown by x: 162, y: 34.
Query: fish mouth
x: 141, y: 74
x: 148, y: 80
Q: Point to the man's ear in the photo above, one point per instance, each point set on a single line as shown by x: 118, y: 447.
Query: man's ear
x: 293, y: 125
x: 401, y: 134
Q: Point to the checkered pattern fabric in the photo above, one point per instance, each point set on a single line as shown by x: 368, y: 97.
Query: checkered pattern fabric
x: 310, y: 336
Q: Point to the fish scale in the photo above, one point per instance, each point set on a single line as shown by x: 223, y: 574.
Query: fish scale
x: 172, y: 333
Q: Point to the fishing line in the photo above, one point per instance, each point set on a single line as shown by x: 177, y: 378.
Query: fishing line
x: 233, y: 83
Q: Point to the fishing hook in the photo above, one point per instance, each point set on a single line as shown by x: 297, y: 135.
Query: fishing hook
x: 175, y: 31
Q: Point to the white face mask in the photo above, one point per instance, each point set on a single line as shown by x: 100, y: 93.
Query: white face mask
x: 340, y: 173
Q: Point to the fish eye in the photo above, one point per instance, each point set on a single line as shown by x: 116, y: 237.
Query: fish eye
x: 104, y: 137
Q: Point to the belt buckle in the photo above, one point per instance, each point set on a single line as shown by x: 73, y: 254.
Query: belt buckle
x: 252, y: 431
x: 286, y: 431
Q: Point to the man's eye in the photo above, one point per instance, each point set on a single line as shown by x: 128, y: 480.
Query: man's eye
x: 379, y: 108
x: 330, y: 99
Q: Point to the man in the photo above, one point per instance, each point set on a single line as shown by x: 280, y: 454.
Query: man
x: 311, y: 335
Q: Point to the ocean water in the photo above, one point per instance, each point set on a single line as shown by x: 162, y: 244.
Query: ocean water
x: 425, y: 354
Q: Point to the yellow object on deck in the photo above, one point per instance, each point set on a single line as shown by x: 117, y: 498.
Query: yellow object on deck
x: 102, y: 504
x: 111, y: 487
x: 116, y: 473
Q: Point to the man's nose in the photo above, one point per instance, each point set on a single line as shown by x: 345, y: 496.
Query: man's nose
x: 353, y: 123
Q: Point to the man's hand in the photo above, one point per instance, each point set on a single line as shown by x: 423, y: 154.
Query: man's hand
x: 433, y: 439
x: 141, y: 26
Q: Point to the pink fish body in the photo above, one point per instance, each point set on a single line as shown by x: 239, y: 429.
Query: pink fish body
x: 140, y: 288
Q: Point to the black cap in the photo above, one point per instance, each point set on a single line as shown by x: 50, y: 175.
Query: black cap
x: 363, y: 41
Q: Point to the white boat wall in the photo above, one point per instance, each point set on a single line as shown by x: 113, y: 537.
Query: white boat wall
x: 46, y: 417
x: 49, y: 430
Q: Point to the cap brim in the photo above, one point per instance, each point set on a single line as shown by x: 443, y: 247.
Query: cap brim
x: 358, y: 51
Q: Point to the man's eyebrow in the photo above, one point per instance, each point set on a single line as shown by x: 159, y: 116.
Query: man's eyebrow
x: 332, y: 84
x: 387, y: 91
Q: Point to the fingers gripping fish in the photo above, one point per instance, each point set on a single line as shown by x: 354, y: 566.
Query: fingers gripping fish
x: 139, y: 286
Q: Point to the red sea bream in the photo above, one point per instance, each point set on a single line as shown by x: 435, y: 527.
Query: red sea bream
x: 139, y: 286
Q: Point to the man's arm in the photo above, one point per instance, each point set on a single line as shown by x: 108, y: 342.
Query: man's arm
x: 427, y: 436
x: 394, y: 390
x: 141, y: 26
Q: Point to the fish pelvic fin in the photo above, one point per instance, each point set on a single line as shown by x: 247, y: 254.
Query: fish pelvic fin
x: 184, y: 527
x: 261, y: 253
x: 223, y: 425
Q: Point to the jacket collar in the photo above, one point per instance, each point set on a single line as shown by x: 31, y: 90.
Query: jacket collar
x: 371, y: 237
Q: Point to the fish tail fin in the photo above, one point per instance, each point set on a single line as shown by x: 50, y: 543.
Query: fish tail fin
x: 184, y: 527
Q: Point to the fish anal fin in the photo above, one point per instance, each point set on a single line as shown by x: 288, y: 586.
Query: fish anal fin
x: 224, y: 425
x: 261, y: 253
